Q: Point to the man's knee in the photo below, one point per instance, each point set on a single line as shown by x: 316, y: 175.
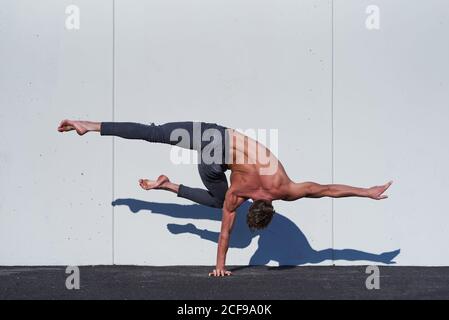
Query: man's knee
x: 218, y: 203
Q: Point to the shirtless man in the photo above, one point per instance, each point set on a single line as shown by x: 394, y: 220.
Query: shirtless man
x: 255, y: 172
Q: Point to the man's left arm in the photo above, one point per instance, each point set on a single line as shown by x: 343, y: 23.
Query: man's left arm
x: 316, y: 190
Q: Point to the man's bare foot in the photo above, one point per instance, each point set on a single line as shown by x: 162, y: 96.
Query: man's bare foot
x: 160, y: 183
x: 81, y: 127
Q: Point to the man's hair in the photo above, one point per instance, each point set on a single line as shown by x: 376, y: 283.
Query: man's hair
x: 259, y: 214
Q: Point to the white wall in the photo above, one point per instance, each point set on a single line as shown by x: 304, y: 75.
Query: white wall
x: 54, y: 190
x: 391, y: 111
x: 352, y: 105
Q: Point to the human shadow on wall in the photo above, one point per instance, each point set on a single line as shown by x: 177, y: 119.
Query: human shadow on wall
x: 282, y: 241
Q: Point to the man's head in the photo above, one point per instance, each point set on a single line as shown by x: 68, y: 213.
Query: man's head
x: 259, y: 214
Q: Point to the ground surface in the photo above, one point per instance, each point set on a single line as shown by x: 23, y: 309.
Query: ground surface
x: 192, y: 282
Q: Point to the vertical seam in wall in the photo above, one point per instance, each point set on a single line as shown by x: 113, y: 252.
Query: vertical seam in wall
x: 113, y: 139
x: 332, y: 125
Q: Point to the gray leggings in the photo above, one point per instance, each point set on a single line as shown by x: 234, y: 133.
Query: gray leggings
x: 212, y: 175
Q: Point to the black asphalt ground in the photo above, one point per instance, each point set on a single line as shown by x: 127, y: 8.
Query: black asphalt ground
x: 192, y: 282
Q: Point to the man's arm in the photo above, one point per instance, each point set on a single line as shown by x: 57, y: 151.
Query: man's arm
x: 231, y: 203
x: 315, y: 190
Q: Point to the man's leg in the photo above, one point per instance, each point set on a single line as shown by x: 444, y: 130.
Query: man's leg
x: 216, y: 183
x: 130, y: 130
x: 212, y: 175
x: 201, y: 196
x: 186, y: 134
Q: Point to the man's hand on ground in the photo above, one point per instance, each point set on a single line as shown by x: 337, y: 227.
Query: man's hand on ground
x: 376, y: 192
x: 220, y: 272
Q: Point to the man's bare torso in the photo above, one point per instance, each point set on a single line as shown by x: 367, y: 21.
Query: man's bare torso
x: 256, y: 172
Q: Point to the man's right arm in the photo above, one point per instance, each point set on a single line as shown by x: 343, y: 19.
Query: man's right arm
x: 230, y: 205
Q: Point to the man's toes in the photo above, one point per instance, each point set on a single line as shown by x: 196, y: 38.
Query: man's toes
x: 144, y: 184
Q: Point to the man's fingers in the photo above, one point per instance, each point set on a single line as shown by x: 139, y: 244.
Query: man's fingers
x: 387, y: 185
x: 219, y: 273
x: 385, y: 188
